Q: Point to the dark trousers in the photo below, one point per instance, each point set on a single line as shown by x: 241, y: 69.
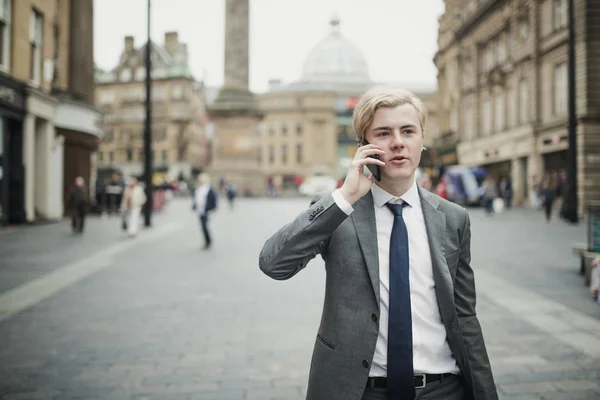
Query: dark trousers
x: 204, y: 223
x: 548, y: 208
x: 78, y: 219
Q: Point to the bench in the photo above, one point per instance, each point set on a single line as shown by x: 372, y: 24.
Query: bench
x: 586, y: 257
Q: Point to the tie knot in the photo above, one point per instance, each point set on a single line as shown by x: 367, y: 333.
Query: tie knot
x: 396, y: 208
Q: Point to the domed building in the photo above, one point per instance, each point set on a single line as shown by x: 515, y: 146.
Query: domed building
x: 307, y: 125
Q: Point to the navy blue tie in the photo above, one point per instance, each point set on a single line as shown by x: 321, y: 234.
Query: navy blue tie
x: 400, y: 373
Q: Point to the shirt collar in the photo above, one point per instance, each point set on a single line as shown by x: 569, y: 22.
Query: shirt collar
x: 380, y: 196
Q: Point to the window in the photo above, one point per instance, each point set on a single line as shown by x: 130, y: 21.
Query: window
x: 501, y: 48
x: 299, y: 154
x: 100, y: 156
x: 499, y: 117
x: 560, y: 14
x: 561, y: 89
x: 469, y: 118
x: 523, y: 101
x: 284, y: 158
x: 487, y: 117
x: 5, y: 13
x: 140, y: 73
x: 106, y: 96
x: 271, y: 155
x: 454, y: 118
x: 125, y: 75
x: 129, y: 155
x: 512, y: 107
x: 159, y: 93
x: 111, y: 156
x: 177, y: 92
x: 165, y: 156
x: 35, y: 54
x: 283, y: 129
x: 299, y: 128
x: 523, y: 27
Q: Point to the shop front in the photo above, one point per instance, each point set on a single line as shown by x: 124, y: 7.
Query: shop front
x: 12, y: 177
x: 80, y: 124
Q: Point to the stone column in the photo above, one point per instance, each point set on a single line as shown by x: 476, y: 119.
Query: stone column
x: 519, y: 180
x: 29, y: 163
x: 235, y: 114
x: 535, y: 171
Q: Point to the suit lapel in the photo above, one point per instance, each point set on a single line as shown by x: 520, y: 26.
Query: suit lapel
x: 435, y: 223
x: 363, y: 218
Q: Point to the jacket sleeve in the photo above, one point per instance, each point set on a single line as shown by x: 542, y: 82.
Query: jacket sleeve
x: 289, y: 250
x: 483, y: 385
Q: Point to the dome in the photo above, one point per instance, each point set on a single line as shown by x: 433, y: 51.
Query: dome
x: 335, y: 60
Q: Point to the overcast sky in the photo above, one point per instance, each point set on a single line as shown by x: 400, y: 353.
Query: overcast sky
x: 397, y: 37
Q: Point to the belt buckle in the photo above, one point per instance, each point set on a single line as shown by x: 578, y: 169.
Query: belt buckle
x: 423, y: 381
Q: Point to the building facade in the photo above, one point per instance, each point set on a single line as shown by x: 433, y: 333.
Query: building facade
x: 503, y: 87
x: 307, y: 125
x: 49, y: 128
x: 179, y: 144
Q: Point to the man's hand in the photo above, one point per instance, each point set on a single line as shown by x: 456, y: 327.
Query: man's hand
x: 357, y: 184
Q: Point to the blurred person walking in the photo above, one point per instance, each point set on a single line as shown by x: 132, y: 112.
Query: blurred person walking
x: 506, y: 188
x: 548, y: 190
x: 133, y: 200
x: 490, y: 193
x: 399, y: 318
x: 231, y: 194
x: 78, y: 202
x: 205, y: 201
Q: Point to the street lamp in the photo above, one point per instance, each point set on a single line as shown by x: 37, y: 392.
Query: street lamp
x: 570, y: 209
x: 148, y: 132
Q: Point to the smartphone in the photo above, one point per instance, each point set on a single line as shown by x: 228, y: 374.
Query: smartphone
x: 375, y: 169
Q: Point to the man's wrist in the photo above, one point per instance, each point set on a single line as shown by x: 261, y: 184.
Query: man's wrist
x: 349, y: 198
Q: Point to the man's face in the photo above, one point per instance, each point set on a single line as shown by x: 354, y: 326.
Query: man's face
x: 79, y: 182
x: 398, y: 132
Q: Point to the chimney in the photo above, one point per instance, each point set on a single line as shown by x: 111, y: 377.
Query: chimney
x: 171, y: 41
x: 129, y: 44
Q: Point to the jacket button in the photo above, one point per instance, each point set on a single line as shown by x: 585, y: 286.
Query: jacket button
x: 374, y: 317
x: 365, y: 364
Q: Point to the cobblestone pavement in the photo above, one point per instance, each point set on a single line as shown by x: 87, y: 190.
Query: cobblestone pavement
x: 155, y: 317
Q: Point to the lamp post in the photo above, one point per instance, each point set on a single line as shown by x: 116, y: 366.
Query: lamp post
x: 570, y: 211
x: 148, y: 132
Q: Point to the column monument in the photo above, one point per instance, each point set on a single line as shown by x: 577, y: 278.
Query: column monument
x: 235, y: 113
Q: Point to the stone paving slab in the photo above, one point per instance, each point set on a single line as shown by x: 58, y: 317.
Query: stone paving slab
x: 169, y: 321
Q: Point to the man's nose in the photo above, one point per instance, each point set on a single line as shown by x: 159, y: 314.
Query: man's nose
x: 397, y: 139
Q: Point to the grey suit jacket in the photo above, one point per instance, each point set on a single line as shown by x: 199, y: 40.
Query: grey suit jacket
x: 345, y: 342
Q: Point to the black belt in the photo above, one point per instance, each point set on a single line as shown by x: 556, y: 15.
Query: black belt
x: 421, y: 380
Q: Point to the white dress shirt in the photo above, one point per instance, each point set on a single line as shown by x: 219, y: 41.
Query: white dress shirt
x: 431, y: 352
x: 200, y: 198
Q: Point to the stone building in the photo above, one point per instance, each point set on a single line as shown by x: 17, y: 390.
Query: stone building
x: 503, y: 86
x: 307, y: 124
x: 49, y: 128
x: 179, y: 143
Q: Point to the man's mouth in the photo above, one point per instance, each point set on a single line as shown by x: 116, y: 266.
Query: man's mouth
x: 398, y: 158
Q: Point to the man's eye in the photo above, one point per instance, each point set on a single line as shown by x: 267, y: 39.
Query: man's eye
x: 410, y: 131
x: 384, y: 133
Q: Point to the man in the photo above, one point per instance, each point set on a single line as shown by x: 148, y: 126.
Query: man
x: 205, y: 200
x: 399, y: 317
x: 78, y: 203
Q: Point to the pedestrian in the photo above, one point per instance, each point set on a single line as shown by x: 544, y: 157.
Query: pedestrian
x: 205, y: 201
x: 548, y: 189
x: 506, y: 189
x: 132, y: 202
x: 490, y: 193
x: 399, y: 318
x: 231, y: 194
x: 78, y: 203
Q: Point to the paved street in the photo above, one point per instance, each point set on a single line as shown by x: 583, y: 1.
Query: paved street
x: 155, y: 317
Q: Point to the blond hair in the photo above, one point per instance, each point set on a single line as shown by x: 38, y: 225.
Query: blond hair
x: 382, y: 97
